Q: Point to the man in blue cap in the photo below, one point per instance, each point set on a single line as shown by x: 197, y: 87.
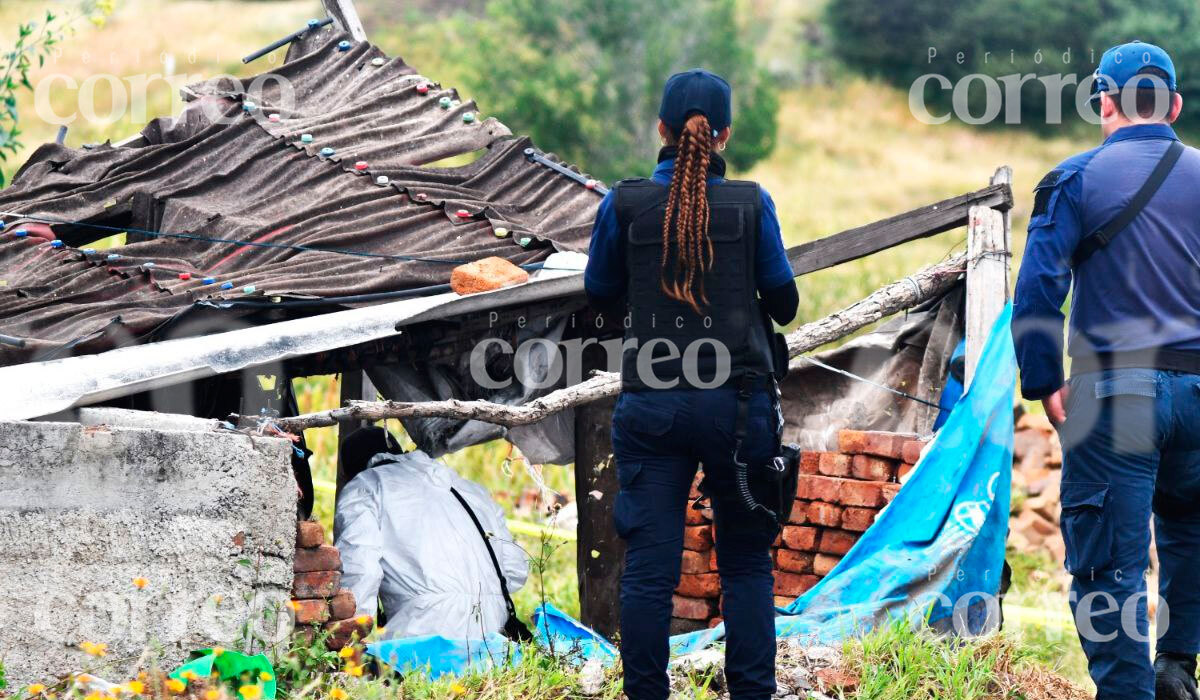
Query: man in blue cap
x: 1121, y: 221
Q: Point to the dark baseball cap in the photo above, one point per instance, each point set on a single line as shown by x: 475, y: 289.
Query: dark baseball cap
x: 696, y: 91
x: 1133, y: 65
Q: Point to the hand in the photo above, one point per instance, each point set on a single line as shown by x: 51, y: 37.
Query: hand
x: 1055, y: 405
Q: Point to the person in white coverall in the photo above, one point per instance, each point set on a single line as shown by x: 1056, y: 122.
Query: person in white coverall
x: 408, y: 544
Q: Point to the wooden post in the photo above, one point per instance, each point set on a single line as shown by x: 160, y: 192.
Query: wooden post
x: 600, y: 553
x: 344, y: 13
x: 987, y: 279
x: 354, y: 385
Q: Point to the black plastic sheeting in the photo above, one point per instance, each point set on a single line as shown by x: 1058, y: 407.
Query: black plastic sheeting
x: 220, y: 171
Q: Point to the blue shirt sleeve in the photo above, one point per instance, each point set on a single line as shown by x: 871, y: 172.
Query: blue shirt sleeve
x: 1042, y: 286
x: 605, y: 272
x: 771, y: 265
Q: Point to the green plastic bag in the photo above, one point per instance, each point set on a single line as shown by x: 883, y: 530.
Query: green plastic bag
x: 230, y: 666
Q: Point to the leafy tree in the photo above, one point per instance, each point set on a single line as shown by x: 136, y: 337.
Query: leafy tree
x: 35, y: 42
x: 584, y: 79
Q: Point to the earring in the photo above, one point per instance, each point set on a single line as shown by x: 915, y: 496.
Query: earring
x: 721, y: 146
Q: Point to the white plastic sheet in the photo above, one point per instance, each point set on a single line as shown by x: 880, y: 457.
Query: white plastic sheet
x: 406, y: 540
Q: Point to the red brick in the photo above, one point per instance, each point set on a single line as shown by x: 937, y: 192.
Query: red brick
x: 826, y: 514
x: 872, y: 468
x: 699, y: 586
x: 712, y: 559
x: 834, y: 464
x: 858, y: 519
x: 345, y: 632
x: 824, y: 563
x: 342, y: 605
x: 793, y: 585
x: 799, y: 538
x: 309, y: 533
x: 852, y: 442
x: 694, y: 516
x: 782, y: 601
x: 865, y: 494
x: 795, y: 562
x: 310, y: 611
x: 323, y: 558
x: 889, y: 491
x: 837, y: 541
x: 715, y: 621
x: 693, y: 608
x: 698, y: 538
x: 799, y: 514
x: 316, y: 584
x: 695, y: 562
x: 818, y: 488
x: 911, y: 451
x: 809, y: 461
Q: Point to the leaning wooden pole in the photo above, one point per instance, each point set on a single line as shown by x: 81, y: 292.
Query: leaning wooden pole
x: 893, y: 298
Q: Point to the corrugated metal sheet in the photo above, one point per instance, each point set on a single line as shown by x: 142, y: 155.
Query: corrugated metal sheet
x: 252, y: 181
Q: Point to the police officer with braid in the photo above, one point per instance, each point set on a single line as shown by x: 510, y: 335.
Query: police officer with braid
x: 695, y: 265
x: 1123, y: 222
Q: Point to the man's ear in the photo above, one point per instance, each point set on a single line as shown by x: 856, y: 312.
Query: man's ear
x: 1176, y: 108
x: 1108, y: 107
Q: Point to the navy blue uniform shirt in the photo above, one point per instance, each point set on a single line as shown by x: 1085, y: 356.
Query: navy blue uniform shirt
x: 606, y: 272
x: 1142, y: 291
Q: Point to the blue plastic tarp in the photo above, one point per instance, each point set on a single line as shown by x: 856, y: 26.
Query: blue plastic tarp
x: 436, y: 655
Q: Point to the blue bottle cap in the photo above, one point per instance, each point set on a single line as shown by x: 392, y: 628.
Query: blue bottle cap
x: 468, y: 117
x: 20, y: 233
x: 248, y: 289
x: 444, y: 103
x: 249, y: 106
x: 112, y: 257
x: 306, y: 138
x: 525, y: 241
x: 327, y: 151
x: 148, y: 265
x: 88, y: 251
x: 344, y: 46
x: 56, y: 244
x: 227, y: 285
x: 314, y: 23
x: 208, y: 280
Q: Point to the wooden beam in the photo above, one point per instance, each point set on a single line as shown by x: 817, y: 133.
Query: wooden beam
x: 856, y: 243
x: 344, y: 13
x: 987, y: 280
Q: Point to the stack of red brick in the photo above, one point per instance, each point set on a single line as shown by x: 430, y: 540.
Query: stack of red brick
x: 838, y: 497
x: 317, y: 595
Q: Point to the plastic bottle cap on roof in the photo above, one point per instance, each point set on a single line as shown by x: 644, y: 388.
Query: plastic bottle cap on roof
x: 377, y: 61
x: 468, y: 117
x: 227, y: 285
x: 382, y: 180
x: 501, y: 232
x: 56, y: 244
x: 209, y: 280
x: 88, y: 251
x: 327, y: 151
x: 20, y: 233
x: 590, y: 184
x: 113, y: 256
x: 248, y: 289
x: 274, y: 117
x: 185, y: 276
x: 424, y: 88
x: 312, y: 23
x: 525, y: 241
x: 444, y: 103
x: 149, y: 265
x: 344, y: 46
x: 361, y: 165
x: 421, y: 196
x: 306, y: 138
x: 249, y: 106
x: 463, y: 214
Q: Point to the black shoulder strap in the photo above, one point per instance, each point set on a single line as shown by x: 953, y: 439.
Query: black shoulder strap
x: 523, y: 632
x: 1106, y: 233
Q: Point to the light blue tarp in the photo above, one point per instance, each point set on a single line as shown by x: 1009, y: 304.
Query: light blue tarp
x: 936, y: 553
x: 436, y: 655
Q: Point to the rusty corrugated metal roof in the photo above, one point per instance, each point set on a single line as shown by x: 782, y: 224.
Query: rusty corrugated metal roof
x: 237, y: 199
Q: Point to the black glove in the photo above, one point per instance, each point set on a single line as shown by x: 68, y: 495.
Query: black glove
x: 1175, y: 677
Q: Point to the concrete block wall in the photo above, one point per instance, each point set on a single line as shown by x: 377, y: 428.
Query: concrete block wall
x: 838, y: 497
x: 154, y: 535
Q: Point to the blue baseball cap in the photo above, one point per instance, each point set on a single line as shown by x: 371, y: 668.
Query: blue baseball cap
x: 696, y: 91
x: 1131, y: 66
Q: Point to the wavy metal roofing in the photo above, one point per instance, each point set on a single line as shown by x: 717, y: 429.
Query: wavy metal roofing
x: 253, y: 181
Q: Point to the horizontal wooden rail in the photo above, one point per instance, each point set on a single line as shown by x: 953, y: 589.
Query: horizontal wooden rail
x: 856, y: 243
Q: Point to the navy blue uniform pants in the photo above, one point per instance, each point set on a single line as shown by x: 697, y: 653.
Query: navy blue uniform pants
x: 1132, y: 449
x: 659, y: 438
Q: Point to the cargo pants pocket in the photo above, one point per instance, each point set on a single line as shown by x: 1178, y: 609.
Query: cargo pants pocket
x: 1086, y: 528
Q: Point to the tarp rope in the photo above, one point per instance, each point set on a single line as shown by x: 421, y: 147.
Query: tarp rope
x: 851, y: 375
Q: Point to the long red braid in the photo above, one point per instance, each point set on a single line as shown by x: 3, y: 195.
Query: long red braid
x: 685, y: 226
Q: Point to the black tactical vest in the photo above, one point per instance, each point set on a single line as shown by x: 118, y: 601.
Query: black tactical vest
x: 732, y: 335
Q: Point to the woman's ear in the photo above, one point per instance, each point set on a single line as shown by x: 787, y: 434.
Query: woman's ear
x: 723, y: 137
x: 664, y: 132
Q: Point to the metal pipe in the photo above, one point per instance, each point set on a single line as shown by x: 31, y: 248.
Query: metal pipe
x: 312, y: 24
